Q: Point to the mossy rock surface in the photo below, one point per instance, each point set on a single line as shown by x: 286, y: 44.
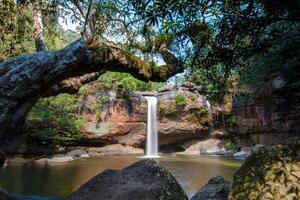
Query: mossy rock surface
x: 272, y: 173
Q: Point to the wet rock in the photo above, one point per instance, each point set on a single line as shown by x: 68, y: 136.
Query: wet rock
x: 247, y: 151
x: 142, y: 180
x: 77, y: 153
x: 272, y: 172
x: 114, y: 149
x: 241, y: 154
x: 60, y: 159
x: 19, y: 159
x: 208, y: 146
x: 188, y: 85
x: 217, y: 188
x: 220, y: 134
x: 255, y: 147
x: 166, y: 88
x: 55, y: 159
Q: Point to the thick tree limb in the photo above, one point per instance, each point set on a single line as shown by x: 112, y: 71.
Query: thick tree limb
x: 72, y: 85
x: 24, y: 79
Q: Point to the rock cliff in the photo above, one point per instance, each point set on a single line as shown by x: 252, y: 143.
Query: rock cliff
x: 182, y: 116
x: 275, y: 109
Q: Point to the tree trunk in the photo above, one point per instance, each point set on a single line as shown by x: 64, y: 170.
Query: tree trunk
x: 38, y: 26
x: 26, y: 78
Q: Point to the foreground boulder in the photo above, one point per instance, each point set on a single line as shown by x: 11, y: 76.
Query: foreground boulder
x: 143, y: 180
x: 5, y: 195
x: 270, y: 173
x: 217, y: 188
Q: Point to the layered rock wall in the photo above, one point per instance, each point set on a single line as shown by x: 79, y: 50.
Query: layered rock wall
x: 276, y: 109
x: 123, y: 118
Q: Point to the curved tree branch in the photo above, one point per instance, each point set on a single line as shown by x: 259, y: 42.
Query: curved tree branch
x: 72, y: 85
x: 26, y: 78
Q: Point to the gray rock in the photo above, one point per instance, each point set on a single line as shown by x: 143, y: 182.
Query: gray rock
x: 143, y: 180
x: 256, y: 147
x: 217, y: 188
x: 206, y: 146
x: 240, y: 154
x: 76, y: 153
x: 114, y: 149
x: 59, y: 158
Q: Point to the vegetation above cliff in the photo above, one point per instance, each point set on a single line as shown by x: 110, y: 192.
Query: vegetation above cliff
x: 118, y: 81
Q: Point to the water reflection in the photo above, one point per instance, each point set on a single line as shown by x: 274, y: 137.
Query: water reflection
x: 192, y: 172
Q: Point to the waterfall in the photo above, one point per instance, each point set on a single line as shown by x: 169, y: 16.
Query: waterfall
x: 151, y: 143
x: 208, y: 109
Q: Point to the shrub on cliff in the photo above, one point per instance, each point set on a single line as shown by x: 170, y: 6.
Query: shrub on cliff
x: 180, y: 101
x: 116, y: 80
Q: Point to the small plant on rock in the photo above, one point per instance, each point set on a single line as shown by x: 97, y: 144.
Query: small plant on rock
x: 230, y: 145
x: 180, y: 101
x: 232, y: 120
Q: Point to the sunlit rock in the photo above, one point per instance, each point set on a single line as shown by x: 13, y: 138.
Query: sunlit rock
x: 272, y: 172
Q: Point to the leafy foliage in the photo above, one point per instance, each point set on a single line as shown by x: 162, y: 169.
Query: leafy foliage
x: 170, y: 110
x: 53, y: 120
x: 16, y: 37
x: 278, y: 56
x: 214, y: 81
x: 232, y: 120
x: 200, y: 112
x: 15, y: 30
x: 117, y: 80
x: 180, y: 101
x: 232, y: 146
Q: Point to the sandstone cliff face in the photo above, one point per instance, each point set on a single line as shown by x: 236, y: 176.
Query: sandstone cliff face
x: 276, y: 109
x: 123, y: 119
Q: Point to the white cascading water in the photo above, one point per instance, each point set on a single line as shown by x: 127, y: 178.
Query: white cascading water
x: 208, y: 108
x: 151, y: 142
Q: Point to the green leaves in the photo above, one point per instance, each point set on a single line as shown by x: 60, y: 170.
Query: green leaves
x: 53, y: 120
x: 180, y: 101
x: 117, y: 80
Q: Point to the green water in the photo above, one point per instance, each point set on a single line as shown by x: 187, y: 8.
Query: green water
x: 192, y: 172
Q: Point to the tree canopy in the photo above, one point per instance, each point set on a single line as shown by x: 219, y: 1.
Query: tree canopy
x: 216, y: 38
